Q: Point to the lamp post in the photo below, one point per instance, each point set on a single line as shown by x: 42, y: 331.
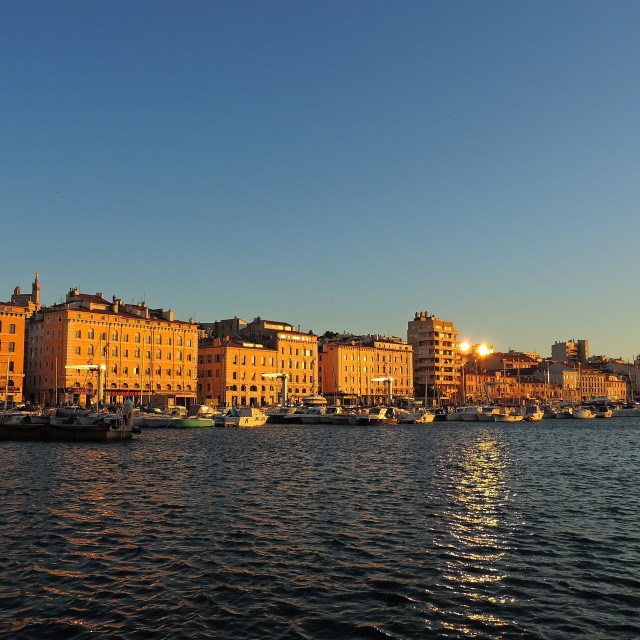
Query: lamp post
x: 388, y: 379
x: 284, y: 377
x: 141, y: 369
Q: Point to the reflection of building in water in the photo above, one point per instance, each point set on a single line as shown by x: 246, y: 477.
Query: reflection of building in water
x: 473, y: 532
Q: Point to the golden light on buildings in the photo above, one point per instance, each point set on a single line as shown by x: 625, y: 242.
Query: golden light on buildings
x: 464, y: 347
x: 483, y: 350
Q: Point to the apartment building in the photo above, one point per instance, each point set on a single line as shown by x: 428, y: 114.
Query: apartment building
x: 12, y: 337
x: 234, y: 355
x: 365, y: 369
x: 230, y: 373
x: 436, y: 360
x: 570, y: 351
x: 87, y: 347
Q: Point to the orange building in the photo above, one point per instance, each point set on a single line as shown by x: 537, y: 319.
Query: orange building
x: 230, y: 373
x: 230, y: 367
x: 12, y: 335
x: 350, y: 368
x: 144, y: 354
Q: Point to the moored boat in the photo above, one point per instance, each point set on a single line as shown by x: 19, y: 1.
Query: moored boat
x: 508, y: 415
x: 470, y: 414
x: 487, y: 414
x: 532, y: 413
x: 242, y: 417
x: 603, y: 411
x: 583, y: 413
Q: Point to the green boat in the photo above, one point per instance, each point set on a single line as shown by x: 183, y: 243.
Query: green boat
x: 192, y: 422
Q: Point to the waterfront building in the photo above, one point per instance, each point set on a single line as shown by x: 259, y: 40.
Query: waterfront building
x: 241, y: 351
x: 144, y: 354
x: 359, y: 369
x: 230, y: 373
x: 12, y: 337
x: 571, y: 351
x: 596, y: 383
x: 436, y: 359
x: 495, y: 387
x: 578, y: 383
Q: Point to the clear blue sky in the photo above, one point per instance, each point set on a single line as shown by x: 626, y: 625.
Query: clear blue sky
x: 338, y: 165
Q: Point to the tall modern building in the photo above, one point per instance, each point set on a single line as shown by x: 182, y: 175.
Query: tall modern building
x: 436, y: 362
x: 571, y: 351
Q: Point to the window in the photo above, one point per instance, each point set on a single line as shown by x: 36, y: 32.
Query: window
x: 158, y: 355
x: 12, y: 328
x: 114, y: 335
x: 78, y: 334
x: 12, y: 346
x: 137, y: 338
x: 114, y: 351
x: 90, y: 334
x: 77, y: 351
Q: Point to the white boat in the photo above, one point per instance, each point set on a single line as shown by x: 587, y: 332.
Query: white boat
x: 629, y: 411
x: 157, y: 420
x: 419, y: 416
x: 507, y: 415
x: 470, y: 414
x: 603, y: 411
x: 337, y: 415
x: 456, y: 414
x: 533, y: 413
x: 425, y: 417
x: 241, y: 417
x: 583, y: 413
x: 488, y: 414
x: 313, y: 414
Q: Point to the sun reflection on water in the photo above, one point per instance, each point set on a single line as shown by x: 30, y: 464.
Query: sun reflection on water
x: 472, y: 537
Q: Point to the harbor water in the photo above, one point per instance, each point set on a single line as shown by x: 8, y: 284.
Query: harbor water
x: 447, y: 530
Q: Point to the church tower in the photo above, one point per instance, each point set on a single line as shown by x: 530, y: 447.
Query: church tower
x: 35, y: 292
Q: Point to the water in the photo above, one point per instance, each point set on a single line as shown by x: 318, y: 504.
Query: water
x: 448, y: 530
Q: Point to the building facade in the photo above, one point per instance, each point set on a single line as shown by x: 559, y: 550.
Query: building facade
x: 231, y: 367
x: 571, y: 351
x: 436, y: 359
x: 365, y: 370
x: 12, y: 337
x: 88, y: 346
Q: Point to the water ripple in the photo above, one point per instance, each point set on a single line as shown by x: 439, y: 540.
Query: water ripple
x: 449, y: 531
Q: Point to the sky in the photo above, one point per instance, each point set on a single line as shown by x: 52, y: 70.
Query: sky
x: 338, y: 165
